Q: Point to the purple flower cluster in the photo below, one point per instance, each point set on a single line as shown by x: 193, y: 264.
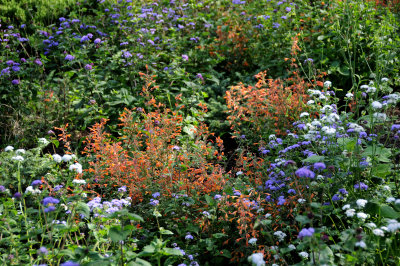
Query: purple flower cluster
x: 306, y: 232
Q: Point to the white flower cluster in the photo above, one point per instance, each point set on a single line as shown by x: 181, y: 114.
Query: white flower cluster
x: 280, y: 235
x: 33, y: 191
x: 257, y: 259
x: 77, y: 167
x: 79, y: 181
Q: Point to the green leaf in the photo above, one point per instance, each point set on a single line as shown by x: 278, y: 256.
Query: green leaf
x: 314, y: 159
x: 381, y: 170
x: 382, y: 154
x: 165, y: 232
x: 139, y: 262
x: 303, y: 219
x: 389, y: 212
x: 172, y: 251
x: 219, y: 235
x: 82, y: 208
x: 117, y: 234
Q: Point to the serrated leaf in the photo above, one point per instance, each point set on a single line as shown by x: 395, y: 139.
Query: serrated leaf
x: 117, y: 234
x: 314, y: 159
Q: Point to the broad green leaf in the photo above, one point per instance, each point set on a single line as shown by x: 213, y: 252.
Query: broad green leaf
x: 314, y: 159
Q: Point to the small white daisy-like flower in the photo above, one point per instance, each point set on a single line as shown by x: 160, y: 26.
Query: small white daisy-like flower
x: 301, y: 201
x: 9, y: 148
x: 384, y: 228
x: 376, y: 105
x: 361, y: 203
x: 349, y: 95
x: 384, y: 79
x: 303, y: 254
x: 267, y: 215
x: 310, y: 102
x: 292, y: 247
x: 361, y: 244
x: 378, y: 232
x: 364, y: 87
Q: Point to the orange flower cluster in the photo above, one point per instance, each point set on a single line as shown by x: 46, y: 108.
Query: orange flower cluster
x: 272, y: 104
x: 153, y: 153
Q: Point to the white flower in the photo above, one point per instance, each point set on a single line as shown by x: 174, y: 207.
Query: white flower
x: 252, y: 241
x: 79, y: 181
x: 66, y: 158
x: 303, y: 254
x: 291, y: 247
x: 320, y: 177
x: 316, y: 123
x: 376, y: 105
x: 301, y: 201
x: 393, y: 98
x: 77, y: 167
x: 393, y: 225
x: 349, y: 95
x: 386, y: 187
x: 384, y: 79
x: 257, y: 259
x: 350, y: 212
x: 364, y: 87
x: 18, y: 158
x: 371, y: 225
x: 384, y: 228
x: 327, y: 84
x: 345, y: 207
x: 326, y: 108
x: 378, y: 232
x: 20, y: 151
x: 35, y: 191
x: 43, y: 141
x: 9, y: 148
x: 267, y: 215
x: 328, y: 130
x: 371, y: 89
x: 397, y: 201
x: 310, y: 102
x: 280, y: 235
x: 361, y: 244
x: 314, y: 92
x: 362, y: 215
x: 304, y: 114
x: 390, y: 199
x: 361, y: 202
x: 57, y: 158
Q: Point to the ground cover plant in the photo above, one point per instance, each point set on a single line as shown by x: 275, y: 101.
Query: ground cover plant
x: 200, y: 133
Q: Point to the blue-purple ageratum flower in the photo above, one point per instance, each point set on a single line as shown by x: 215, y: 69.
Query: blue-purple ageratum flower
x: 2, y: 189
x: 69, y: 57
x: 319, y: 166
x: 154, y: 202
x: 188, y: 237
x: 50, y: 200
x: 361, y: 186
x: 306, y: 232
x: 185, y: 57
x: 15, y: 81
x: 43, y: 250
x: 304, y: 172
x: 156, y: 195
x: 36, y: 183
